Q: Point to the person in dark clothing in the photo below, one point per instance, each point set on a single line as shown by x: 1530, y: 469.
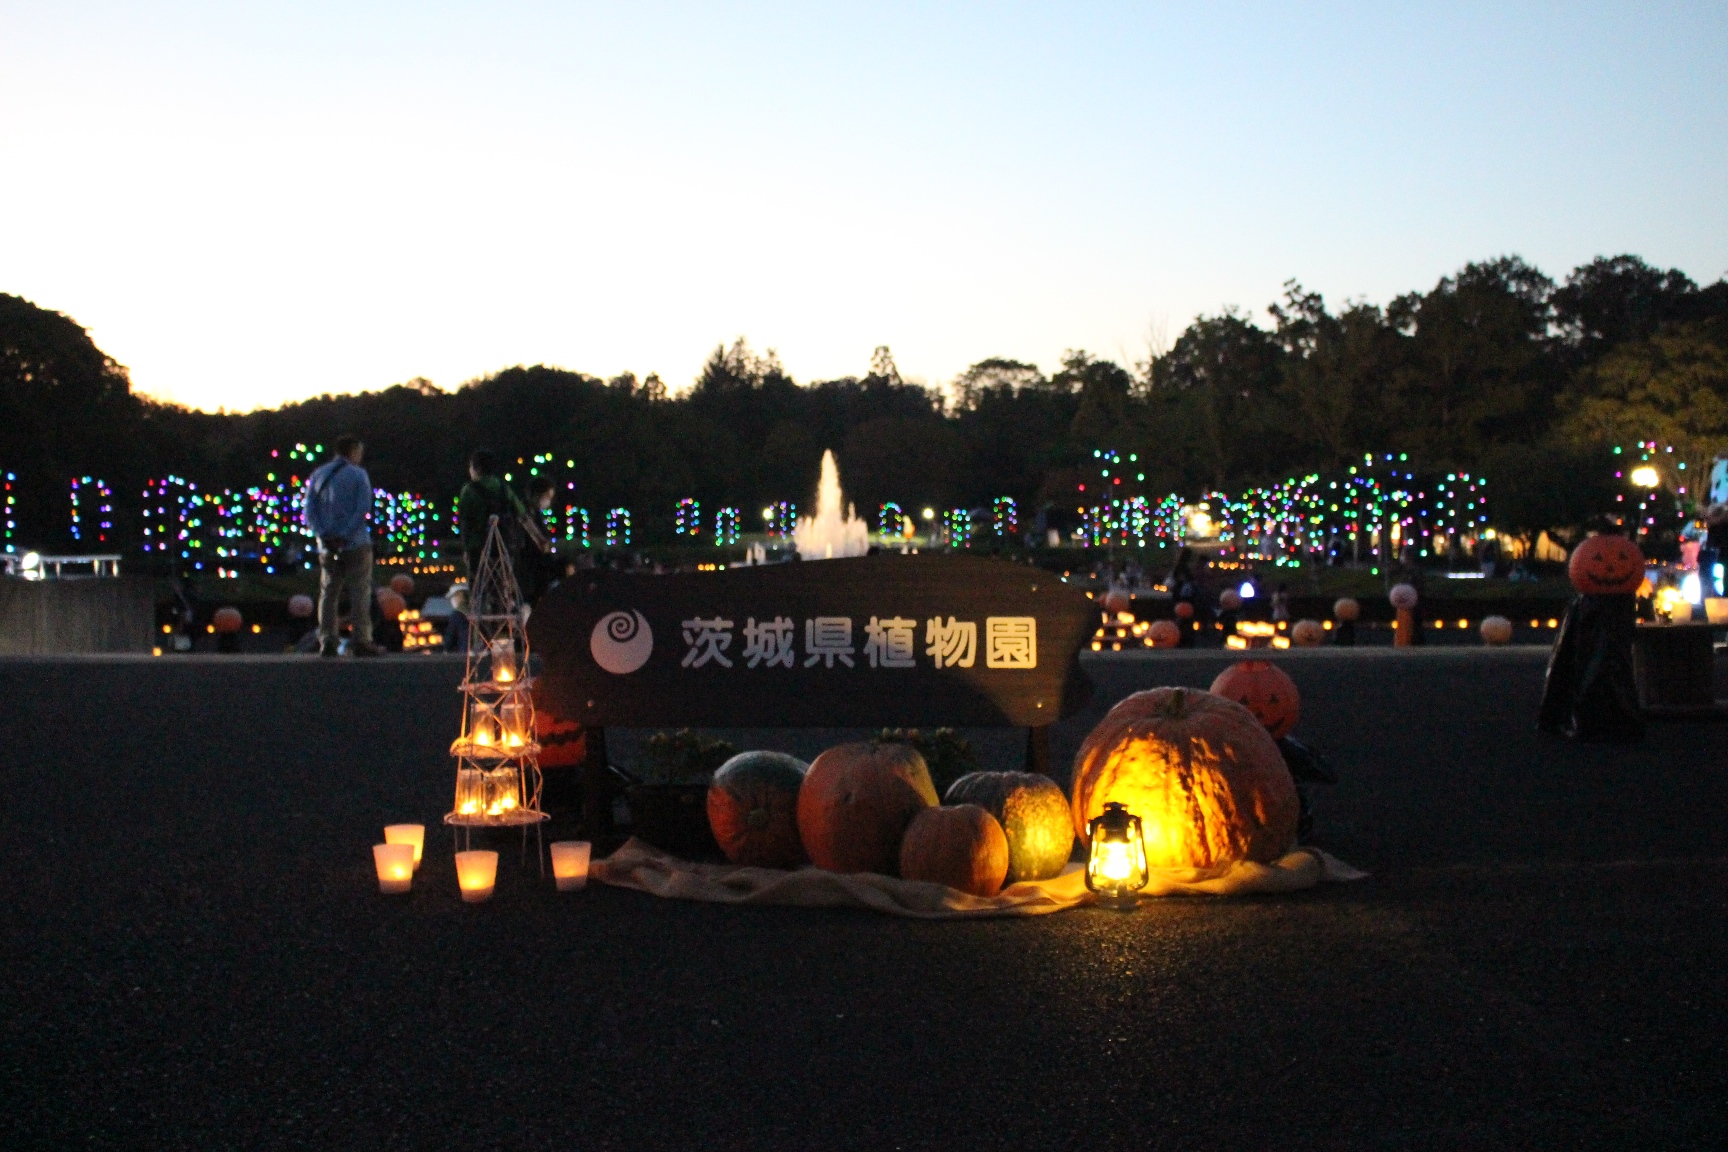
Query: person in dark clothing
x: 540, y: 567
x: 484, y: 496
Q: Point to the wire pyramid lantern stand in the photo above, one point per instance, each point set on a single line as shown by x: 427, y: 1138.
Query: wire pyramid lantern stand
x: 497, y: 759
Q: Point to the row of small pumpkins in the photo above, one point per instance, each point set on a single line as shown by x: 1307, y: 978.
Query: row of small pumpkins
x: 1201, y: 769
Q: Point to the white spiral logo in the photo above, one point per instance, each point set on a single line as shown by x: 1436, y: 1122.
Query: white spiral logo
x: 621, y: 642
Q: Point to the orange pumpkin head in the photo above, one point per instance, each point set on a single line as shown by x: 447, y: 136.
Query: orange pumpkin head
x: 1347, y: 608
x: 1164, y: 634
x: 1605, y: 566
x: 1307, y: 634
x: 1209, y: 785
x: 390, y: 603
x: 1265, y: 690
x: 227, y: 620
x: 1184, y: 610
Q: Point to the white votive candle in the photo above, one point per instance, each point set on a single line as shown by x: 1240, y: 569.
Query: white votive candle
x: 570, y: 864
x: 414, y: 834
x: 476, y: 872
x: 395, y: 864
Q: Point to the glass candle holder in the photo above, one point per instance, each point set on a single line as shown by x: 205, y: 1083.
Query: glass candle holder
x: 470, y: 792
x: 414, y: 834
x: 395, y: 865
x: 476, y: 874
x: 570, y: 864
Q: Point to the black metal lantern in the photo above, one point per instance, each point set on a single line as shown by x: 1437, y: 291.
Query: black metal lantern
x: 1116, y: 857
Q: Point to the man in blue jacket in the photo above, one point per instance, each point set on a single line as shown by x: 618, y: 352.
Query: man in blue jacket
x: 337, y: 502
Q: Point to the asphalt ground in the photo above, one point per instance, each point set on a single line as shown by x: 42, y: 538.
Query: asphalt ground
x: 194, y: 954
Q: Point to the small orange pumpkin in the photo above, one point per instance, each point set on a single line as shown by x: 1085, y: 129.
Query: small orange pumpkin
x: 1117, y: 600
x: 390, y: 603
x: 1606, y: 566
x: 403, y: 584
x: 1265, y: 690
x: 961, y: 846
x: 227, y: 620
x: 1208, y: 783
x: 1346, y: 608
x: 1184, y: 610
x: 1307, y: 634
x: 1164, y: 634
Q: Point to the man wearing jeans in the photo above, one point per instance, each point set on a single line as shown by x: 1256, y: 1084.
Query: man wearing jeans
x: 338, y: 500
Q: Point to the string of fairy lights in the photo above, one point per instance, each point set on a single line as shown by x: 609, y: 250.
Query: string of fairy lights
x: 1369, y: 511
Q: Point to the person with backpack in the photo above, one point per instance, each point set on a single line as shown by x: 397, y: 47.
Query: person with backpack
x: 484, y: 496
x: 336, y: 505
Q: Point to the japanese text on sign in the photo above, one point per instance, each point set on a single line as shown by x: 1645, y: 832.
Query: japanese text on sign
x: 1010, y: 642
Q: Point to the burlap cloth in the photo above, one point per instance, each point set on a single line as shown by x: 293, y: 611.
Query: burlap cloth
x: 646, y: 868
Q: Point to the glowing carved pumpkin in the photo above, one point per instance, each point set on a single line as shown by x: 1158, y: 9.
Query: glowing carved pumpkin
x: 1605, y: 566
x: 961, y: 846
x: 1164, y: 634
x: 1307, y: 634
x: 1208, y: 783
x: 1265, y: 690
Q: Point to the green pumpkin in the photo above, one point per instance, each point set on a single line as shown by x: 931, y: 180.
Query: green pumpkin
x: 1032, y: 811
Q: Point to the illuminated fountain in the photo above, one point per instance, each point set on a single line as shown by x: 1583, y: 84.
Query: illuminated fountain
x: 830, y: 535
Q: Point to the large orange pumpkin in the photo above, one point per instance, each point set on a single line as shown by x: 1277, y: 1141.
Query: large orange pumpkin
x: 1605, y: 566
x: 961, y: 846
x: 856, y: 802
x: 1208, y: 783
x: 1265, y: 690
x: 753, y: 809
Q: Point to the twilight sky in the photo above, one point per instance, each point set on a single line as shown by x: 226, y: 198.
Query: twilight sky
x: 251, y: 204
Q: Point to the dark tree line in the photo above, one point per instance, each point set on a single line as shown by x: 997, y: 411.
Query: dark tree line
x: 1497, y: 369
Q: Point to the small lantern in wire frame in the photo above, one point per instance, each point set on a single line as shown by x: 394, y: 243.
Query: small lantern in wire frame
x: 1116, y: 857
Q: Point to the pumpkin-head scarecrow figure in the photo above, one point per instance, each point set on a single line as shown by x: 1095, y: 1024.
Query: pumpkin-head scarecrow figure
x: 1589, y: 692
x: 1269, y: 693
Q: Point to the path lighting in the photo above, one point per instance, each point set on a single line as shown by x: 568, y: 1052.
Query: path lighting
x: 412, y: 834
x: 1116, y: 857
x: 395, y: 864
x: 1646, y: 477
x: 476, y: 873
x: 929, y: 513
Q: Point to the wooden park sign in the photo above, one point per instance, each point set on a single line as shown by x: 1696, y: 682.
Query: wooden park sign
x: 883, y: 640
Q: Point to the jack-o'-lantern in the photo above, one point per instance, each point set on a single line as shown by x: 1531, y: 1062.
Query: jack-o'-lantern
x: 227, y: 620
x: 1307, y: 634
x: 1184, y: 610
x: 403, y: 584
x: 390, y: 603
x: 300, y: 606
x: 1347, y: 608
x: 1496, y: 630
x: 1403, y: 596
x: 1605, y: 566
x: 1164, y: 634
x: 1117, y: 600
x: 1265, y: 690
x: 1205, y: 778
x: 1230, y: 600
